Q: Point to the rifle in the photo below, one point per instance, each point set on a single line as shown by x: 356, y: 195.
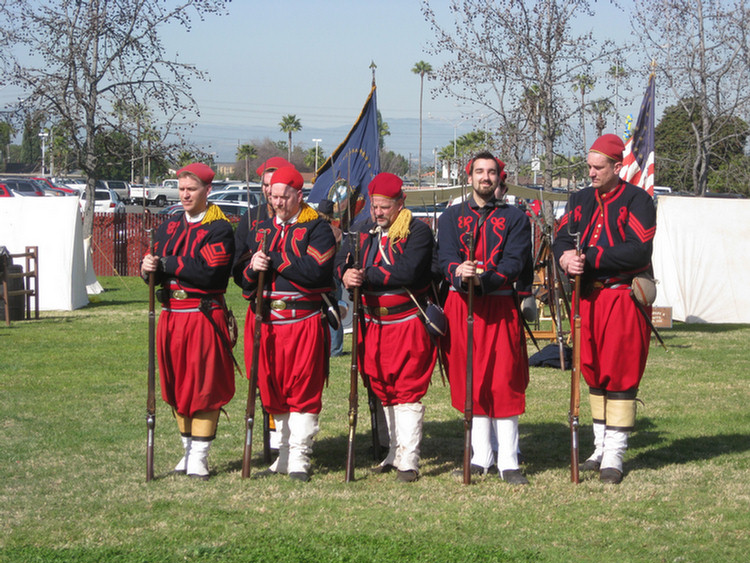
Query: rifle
x: 151, y: 397
x: 469, y: 399
x: 251, y: 392
x: 575, y: 373
x: 554, y: 302
x: 353, y: 372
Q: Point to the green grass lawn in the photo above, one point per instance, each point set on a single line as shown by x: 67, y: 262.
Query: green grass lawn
x: 72, y: 464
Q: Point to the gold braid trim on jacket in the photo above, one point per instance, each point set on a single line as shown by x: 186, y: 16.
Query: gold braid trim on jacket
x: 306, y: 213
x: 213, y: 213
x: 400, y: 228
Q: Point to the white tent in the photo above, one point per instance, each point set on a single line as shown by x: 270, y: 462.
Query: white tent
x: 54, y: 225
x: 701, y: 259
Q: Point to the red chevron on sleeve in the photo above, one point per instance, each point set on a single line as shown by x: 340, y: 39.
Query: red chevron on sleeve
x: 321, y: 258
x: 216, y: 255
x: 643, y: 234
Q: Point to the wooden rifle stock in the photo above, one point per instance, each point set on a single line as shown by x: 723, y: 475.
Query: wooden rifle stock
x: 353, y: 369
x: 251, y: 391
x: 469, y: 400
x: 151, y: 397
x: 575, y: 375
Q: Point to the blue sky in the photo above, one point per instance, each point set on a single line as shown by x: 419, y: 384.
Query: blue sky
x: 267, y: 59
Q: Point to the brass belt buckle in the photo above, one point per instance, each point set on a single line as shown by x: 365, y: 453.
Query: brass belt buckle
x: 278, y: 305
x: 179, y: 294
x: 382, y: 311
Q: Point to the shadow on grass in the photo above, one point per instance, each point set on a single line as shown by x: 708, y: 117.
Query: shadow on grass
x: 659, y: 450
x: 703, y: 327
x: 544, y: 446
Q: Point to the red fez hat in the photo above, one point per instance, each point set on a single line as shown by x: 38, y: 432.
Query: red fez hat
x: 203, y: 172
x: 500, y: 166
x: 272, y: 164
x: 288, y: 175
x: 609, y: 145
x: 387, y: 185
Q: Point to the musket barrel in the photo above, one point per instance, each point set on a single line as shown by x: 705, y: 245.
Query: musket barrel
x: 469, y: 399
x: 353, y: 369
x: 251, y: 392
x: 151, y: 384
x: 575, y: 374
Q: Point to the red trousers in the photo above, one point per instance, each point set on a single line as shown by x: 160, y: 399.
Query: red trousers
x: 501, y: 364
x: 291, y: 366
x: 614, y: 340
x: 195, y: 368
x: 399, y: 359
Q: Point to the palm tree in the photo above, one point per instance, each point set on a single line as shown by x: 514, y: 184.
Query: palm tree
x: 421, y: 68
x: 617, y: 73
x: 600, y: 109
x: 383, y: 131
x: 290, y: 124
x: 247, y: 153
x: 583, y: 83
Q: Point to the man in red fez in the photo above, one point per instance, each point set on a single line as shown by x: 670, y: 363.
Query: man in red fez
x: 616, y: 222
x: 245, y: 228
x: 298, y: 260
x: 192, y: 260
x: 502, y: 253
x: 396, y: 352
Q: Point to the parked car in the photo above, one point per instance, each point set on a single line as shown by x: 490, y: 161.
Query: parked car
x: 153, y: 195
x: 230, y: 208
x: 64, y: 190
x: 48, y: 191
x: 5, y: 191
x: 24, y: 187
x: 121, y: 188
x: 77, y: 184
x: 236, y: 195
x: 105, y: 201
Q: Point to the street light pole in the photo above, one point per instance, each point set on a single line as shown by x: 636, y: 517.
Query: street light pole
x: 43, y: 136
x: 316, y: 141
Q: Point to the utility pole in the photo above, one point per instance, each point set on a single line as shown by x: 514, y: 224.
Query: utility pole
x: 43, y: 136
x: 316, y: 141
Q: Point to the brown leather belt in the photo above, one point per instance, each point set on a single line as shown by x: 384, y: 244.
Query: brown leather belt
x: 385, y: 311
x: 163, y: 295
x: 281, y: 305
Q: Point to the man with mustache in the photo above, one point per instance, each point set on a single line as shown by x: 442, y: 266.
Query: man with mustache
x: 616, y: 222
x: 502, y: 250
x: 298, y: 260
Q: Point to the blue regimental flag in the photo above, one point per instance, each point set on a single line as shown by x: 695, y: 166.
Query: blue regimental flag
x: 356, y: 161
x: 638, y: 159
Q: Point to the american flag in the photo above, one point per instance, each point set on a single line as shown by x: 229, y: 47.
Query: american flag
x: 638, y: 159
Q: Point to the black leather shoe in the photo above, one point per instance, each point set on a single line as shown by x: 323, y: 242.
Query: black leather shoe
x: 378, y: 469
x: 590, y: 465
x: 476, y: 470
x: 610, y: 476
x: 263, y: 474
x: 513, y: 477
x: 408, y: 476
x: 299, y: 476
